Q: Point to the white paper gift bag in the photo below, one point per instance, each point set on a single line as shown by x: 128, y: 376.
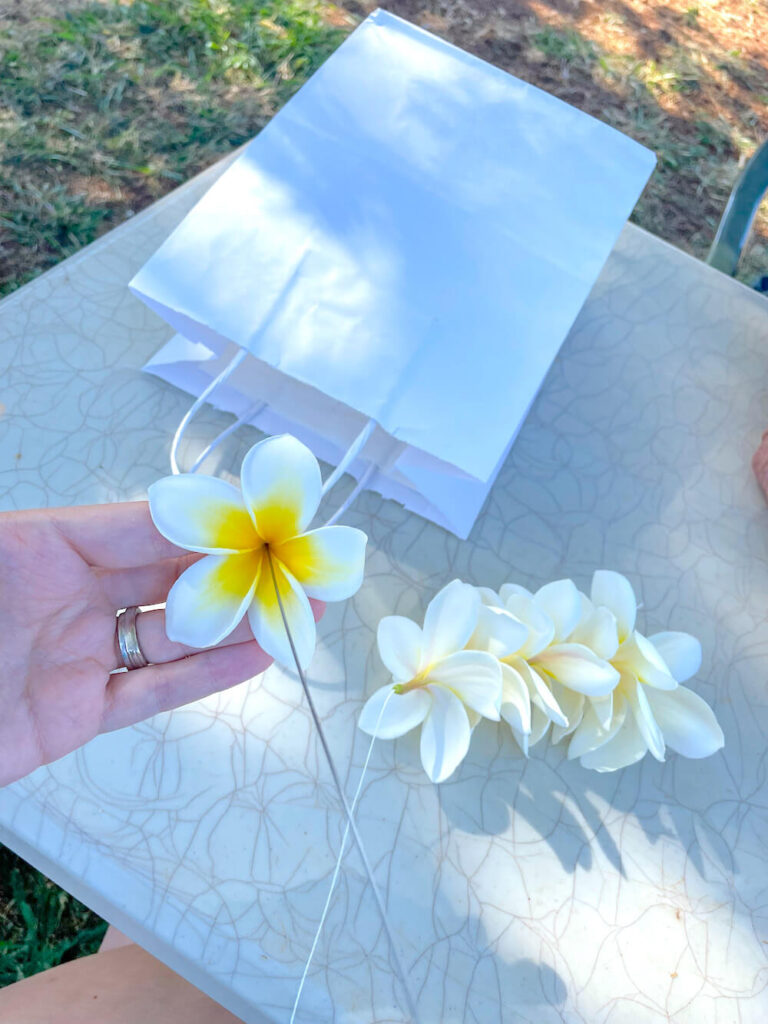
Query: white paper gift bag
x: 407, y: 242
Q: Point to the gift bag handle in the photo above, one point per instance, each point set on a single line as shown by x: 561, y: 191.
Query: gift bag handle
x: 354, y: 450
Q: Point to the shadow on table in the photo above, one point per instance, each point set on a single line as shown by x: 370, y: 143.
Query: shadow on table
x: 449, y: 990
x: 572, y: 809
x: 633, y: 458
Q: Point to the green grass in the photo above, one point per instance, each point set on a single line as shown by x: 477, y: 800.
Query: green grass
x: 679, y: 105
x: 691, y: 17
x: 40, y: 924
x: 564, y: 45
x: 105, y: 109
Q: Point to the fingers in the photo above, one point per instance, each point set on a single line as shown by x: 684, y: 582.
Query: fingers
x: 114, y: 536
x: 157, y: 648
x: 144, y: 584
x: 134, y: 696
x: 150, y: 627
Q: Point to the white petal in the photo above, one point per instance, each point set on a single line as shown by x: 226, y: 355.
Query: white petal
x: 400, y: 646
x: 626, y: 747
x: 540, y: 723
x: 646, y: 723
x: 561, y: 601
x: 598, y: 631
x: 498, y: 632
x: 210, y: 597
x: 637, y: 656
x: 541, y: 694
x: 516, y: 704
x: 201, y: 513
x: 586, y: 608
x: 680, y: 652
x: 592, y: 733
x: 445, y: 735
x: 510, y: 589
x: 266, y: 618
x: 282, y: 484
x: 475, y: 678
x: 489, y: 597
x: 522, y: 738
x: 577, y: 667
x: 401, y: 712
x: 541, y: 629
x: 450, y: 620
x: 328, y: 563
x: 613, y: 591
x: 687, y: 722
x: 571, y: 703
x: 603, y: 708
x: 473, y: 718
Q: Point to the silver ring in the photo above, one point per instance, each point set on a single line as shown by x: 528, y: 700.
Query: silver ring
x: 128, y: 640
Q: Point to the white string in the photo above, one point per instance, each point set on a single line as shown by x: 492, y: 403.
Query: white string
x: 187, y: 418
x: 339, y: 859
x: 400, y: 970
x: 350, y: 455
x: 352, y: 452
x: 254, y: 410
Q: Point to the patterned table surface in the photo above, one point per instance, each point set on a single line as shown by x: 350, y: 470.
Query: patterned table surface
x: 520, y: 891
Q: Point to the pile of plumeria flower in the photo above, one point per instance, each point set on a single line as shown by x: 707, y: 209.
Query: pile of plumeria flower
x: 554, y: 660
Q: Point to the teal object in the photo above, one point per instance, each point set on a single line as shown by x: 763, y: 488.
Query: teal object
x: 739, y: 213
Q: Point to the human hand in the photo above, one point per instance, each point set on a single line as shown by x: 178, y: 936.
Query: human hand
x: 64, y: 573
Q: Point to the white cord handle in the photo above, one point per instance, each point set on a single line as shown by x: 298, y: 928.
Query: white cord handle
x: 350, y: 455
x: 354, y: 450
x: 199, y: 402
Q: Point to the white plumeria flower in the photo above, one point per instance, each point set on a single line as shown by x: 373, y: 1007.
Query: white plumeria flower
x: 245, y: 536
x: 649, y: 709
x: 546, y: 670
x: 596, y: 629
x: 437, y: 683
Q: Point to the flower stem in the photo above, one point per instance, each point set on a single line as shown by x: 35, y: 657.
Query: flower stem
x: 352, y: 825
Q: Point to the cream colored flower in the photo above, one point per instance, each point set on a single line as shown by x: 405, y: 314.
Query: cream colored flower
x: 649, y: 710
x: 561, y: 659
x: 437, y: 684
x: 248, y: 534
x: 546, y: 668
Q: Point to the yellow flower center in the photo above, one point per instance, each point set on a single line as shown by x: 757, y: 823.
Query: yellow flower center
x: 232, y: 527
x: 415, y: 683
